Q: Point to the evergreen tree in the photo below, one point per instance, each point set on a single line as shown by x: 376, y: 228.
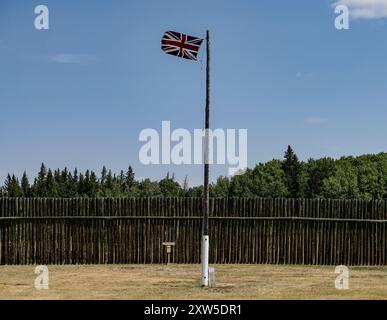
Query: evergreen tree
x: 75, y: 176
x: 40, y: 187
x: 109, y: 180
x: 81, y: 185
x: 87, y: 183
x: 121, y: 180
x: 362, y: 177
x: 108, y: 185
x: 12, y: 187
x: 72, y: 183
x: 121, y: 176
x: 25, y: 185
x: 103, y: 175
x: 185, y: 184
x: 129, y: 179
x: 93, y: 185
x: 59, y: 181
x: 65, y: 175
x: 51, y: 186
x: 292, y: 169
x: 7, y: 185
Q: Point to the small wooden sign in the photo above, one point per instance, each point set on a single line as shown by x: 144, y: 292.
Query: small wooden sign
x: 169, y: 249
x: 169, y: 243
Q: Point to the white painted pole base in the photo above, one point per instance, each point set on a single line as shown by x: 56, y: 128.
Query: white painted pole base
x: 205, y: 253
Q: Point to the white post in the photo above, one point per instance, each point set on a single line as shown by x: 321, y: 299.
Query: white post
x: 205, y: 251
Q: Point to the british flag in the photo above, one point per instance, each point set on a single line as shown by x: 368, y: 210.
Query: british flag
x: 181, y: 45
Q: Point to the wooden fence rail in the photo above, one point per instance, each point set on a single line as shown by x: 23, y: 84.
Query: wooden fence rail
x: 256, y: 230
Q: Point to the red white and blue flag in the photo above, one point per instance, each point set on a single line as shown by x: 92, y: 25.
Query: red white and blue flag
x: 181, y: 45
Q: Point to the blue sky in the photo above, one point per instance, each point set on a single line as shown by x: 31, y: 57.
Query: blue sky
x: 79, y: 94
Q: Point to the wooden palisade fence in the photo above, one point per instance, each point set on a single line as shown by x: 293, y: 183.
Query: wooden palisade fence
x: 256, y: 230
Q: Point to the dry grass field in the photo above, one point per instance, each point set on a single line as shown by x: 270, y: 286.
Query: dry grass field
x: 181, y: 282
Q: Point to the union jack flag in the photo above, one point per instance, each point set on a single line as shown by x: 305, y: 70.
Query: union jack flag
x: 181, y: 45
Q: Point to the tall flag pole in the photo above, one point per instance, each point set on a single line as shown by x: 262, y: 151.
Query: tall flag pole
x: 187, y: 47
x: 206, y: 200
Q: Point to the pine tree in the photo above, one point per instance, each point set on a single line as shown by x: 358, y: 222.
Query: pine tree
x: 65, y: 175
x: 103, y: 175
x: 109, y: 179
x: 129, y: 179
x: 12, y: 187
x: 292, y: 169
x: 73, y: 184
x: 57, y: 176
x: 59, y: 182
x: 184, y: 189
x: 40, y: 185
x: 62, y: 181
x: 87, y: 188
x: 33, y: 189
x: 81, y: 186
x: 121, y: 180
x: 75, y: 176
x: 185, y: 184
x: 42, y: 173
x: 25, y: 185
x: 121, y: 176
x: 51, y: 186
x: 7, y: 184
x: 93, y: 185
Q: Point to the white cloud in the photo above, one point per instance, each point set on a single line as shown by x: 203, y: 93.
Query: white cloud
x: 365, y: 9
x: 304, y: 75
x: 82, y: 59
x: 315, y: 120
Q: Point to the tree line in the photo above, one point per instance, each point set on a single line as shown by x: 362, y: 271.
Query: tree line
x: 362, y: 177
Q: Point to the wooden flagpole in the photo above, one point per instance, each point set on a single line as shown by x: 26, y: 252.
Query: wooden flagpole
x: 206, y: 200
